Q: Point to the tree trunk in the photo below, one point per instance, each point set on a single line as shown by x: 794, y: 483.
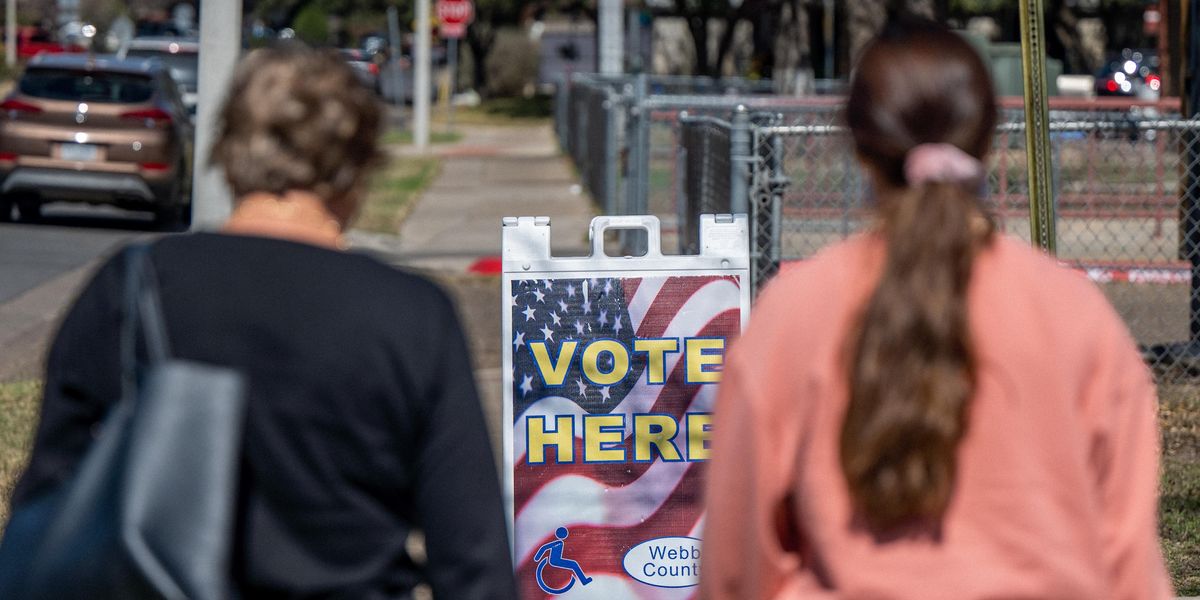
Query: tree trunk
x: 925, y: 8
x: 699, y: 27
x: 479, y: 44
x: 725, y: 43
x: 864, y: 19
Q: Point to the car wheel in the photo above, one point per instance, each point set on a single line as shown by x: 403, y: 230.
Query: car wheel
x: 170, y: 214
x: 30, y: 210
x: 167, y: 217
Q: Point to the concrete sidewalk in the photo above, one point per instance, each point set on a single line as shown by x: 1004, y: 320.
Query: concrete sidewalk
x: 493, y: 172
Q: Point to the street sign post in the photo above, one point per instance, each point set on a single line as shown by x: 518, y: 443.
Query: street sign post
x: 453, y: 18
x: 1037, y: 131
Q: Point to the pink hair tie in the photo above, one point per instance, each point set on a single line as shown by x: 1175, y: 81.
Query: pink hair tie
x: 927, y: 163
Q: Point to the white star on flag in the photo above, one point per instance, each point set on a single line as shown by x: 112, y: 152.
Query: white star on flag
x: 549, y: 333
x: 604, y: 393
x: 519, y: 341
x: 526, y: 384
x: 539, y: 295
x: 557, y: 319
x: 528, y: 312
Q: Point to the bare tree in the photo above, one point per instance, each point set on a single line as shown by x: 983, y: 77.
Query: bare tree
x: 866, y: 17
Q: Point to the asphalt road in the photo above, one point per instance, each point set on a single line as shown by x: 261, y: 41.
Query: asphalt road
x: 42, y: 266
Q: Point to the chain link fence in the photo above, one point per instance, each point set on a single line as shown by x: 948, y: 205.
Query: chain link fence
x: 704, y: 163
x: 1125, y: 182
x: 1121, y: 181
x: 641, y: 132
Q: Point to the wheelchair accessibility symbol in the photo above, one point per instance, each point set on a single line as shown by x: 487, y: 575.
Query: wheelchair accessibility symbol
x: 551, y: 553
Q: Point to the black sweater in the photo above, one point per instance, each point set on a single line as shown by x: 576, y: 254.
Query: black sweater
x: 363, y: 422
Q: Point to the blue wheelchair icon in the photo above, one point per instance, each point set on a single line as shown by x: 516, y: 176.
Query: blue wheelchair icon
x: 551, y: 553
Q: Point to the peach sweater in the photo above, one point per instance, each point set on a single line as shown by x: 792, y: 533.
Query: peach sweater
x: 1056, y: 491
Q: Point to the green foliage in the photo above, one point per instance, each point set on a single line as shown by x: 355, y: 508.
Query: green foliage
x: 312, y: 25
x: 512, y: 64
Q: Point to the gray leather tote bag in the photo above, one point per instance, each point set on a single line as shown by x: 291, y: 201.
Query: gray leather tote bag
x: 150, y: 512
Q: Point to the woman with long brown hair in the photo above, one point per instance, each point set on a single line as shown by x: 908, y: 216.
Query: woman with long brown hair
x: 931, y: 409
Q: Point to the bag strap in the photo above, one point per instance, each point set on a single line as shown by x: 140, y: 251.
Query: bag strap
x: 142, y: 311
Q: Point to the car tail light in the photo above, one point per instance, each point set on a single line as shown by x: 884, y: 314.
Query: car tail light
x: 1111, y: 85
x: 1154, y: 81
x: 155, y: 167
x: 20, y: 107
x: 153, y: 116
x: 8, y: 157
x: 373, y: 68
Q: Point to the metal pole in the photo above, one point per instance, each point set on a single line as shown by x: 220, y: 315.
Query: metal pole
x: 641, y: 148
x: 1037, y: 133
x: 612, y: 107
x: 1190, y: 223
x: 220, y: 43
x: 10, y: 33
x: 612, y: 47
x: 397, y: 55
x: 421, y: 84
x: 453, y: 50
x: 827, y: 32
x: 739, y: 159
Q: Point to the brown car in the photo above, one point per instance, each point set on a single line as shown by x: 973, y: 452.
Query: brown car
x: 96, y: 130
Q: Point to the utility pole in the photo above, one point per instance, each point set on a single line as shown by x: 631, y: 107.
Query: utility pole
x: 10, y: 34
x: 220, y: 44
x: 612, y: 47
x: 422, y: 58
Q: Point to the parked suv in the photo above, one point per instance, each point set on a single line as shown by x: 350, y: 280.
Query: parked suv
x: 179, y: 55
x: 96, y: 130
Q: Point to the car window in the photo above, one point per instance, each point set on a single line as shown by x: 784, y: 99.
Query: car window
x: 90, y: 86
x: 182, y: 65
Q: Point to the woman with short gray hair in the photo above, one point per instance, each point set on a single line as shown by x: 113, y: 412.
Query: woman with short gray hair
x: 363, y: 424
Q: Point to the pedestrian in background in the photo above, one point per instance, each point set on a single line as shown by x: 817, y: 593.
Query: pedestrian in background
x: 363, y: 423
x: 930, y: 409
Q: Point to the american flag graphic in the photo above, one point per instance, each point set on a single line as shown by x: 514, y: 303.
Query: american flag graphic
x: 608, y: 507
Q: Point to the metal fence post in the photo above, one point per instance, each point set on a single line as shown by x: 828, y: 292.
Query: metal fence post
x: 778, y: 184
x: 641, y: 144
x: 562, y: 97
x: 680, y: 187
x: 1033, y: 56
x: 612, y: 106
x: 739, y: 162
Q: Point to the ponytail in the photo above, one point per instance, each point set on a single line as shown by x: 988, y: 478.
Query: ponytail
x: 911, y: 368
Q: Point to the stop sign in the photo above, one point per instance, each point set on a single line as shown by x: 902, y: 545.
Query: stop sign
x: 454, y: 16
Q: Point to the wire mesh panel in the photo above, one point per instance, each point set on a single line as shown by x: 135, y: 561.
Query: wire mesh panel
x: 704, y: 153
x: 1120, y: 177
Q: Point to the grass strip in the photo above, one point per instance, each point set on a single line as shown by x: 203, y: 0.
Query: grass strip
x: 18, y: 415
x: 1179, y: 504
x: 404, y: 137
x: 393, y: 190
